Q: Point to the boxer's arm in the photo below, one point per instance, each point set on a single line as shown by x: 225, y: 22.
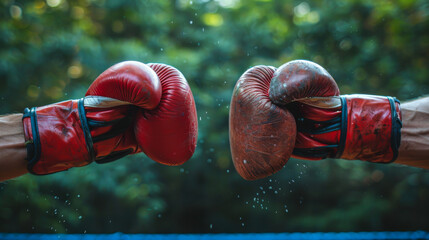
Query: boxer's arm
x: 414, y: 148
x: 12, y: 147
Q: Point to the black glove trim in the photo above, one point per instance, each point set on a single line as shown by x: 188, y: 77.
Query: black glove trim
x: 85, y: 128
x: 305, y: 125
x: 114, y: 156
x: 396, y: 128
x: 318, y: 152
x: 344, y: 123
x: 33, y: 147
x: 121, y: 125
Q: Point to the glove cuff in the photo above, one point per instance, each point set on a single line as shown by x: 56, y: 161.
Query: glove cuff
x: 54, y: 137
x: 370, y: 128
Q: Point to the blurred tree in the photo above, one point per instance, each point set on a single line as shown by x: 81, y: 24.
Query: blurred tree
x: 51, y: 51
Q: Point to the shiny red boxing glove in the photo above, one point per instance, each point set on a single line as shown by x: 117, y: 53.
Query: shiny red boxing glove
x: 355, y: 127
x: 168, y: 134
x: 99, y: 127
x: 261, y: 134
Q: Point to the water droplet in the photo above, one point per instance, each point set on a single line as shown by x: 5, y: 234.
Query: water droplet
x: 244, y: 161
x: 80, y: 217
x: 191, y: 22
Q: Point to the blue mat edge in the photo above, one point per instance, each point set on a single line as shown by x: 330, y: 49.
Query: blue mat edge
x: 225, y: 236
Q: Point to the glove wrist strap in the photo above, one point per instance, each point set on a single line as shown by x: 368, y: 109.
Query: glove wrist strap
x: 32, y: 140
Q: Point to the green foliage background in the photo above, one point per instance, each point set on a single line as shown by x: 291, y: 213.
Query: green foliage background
x: 51, y: 51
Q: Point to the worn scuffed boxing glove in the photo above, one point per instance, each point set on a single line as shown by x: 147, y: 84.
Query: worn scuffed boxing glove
x: 261, y: 134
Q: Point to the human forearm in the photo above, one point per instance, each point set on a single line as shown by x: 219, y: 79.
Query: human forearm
x: 414, y: 148
x: 12, y: 147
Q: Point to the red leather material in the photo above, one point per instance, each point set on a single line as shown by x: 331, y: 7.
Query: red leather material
x: 61, y: 137
x: 369, y: 128
x: 308, y: 139
x: 262, y: 135
x: 301, y: 79
x: 168, y: 134
x: 362, y: 128
x: 123, y: 141
x: 128, y: 81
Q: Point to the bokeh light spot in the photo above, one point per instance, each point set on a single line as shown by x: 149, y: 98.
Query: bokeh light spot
x: 15, y: 12
x: 213, y: 19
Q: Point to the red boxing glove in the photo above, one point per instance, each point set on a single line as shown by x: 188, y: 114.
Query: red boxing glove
x: 97, y: 128
x: 168, y: 134
x: 355, y: 127
x: 262, y: 135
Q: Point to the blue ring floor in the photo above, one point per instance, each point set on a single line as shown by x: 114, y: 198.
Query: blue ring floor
x: 238, y: 236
